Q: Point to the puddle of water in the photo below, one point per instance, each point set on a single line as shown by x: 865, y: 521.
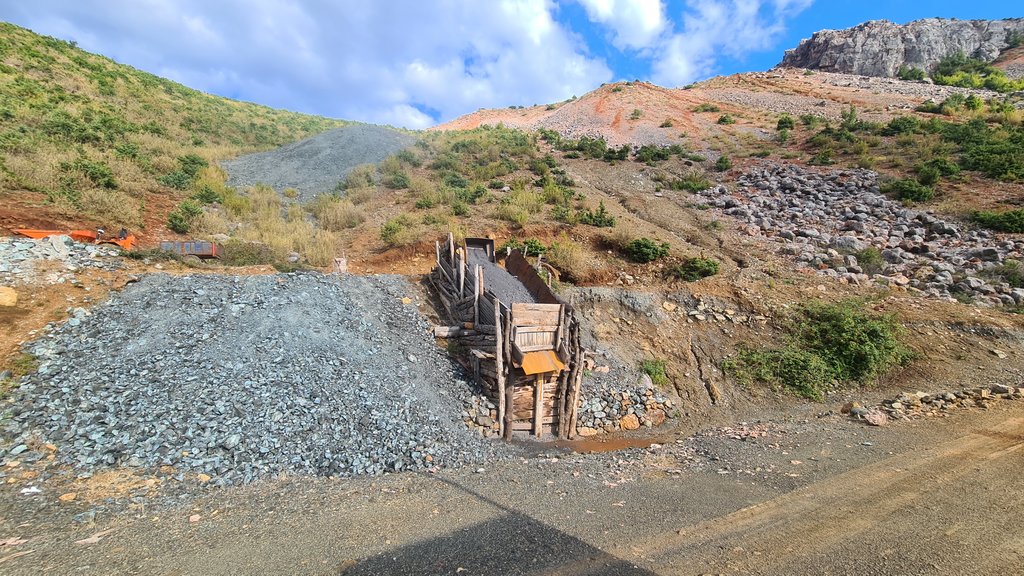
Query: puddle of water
x: 593, y: 445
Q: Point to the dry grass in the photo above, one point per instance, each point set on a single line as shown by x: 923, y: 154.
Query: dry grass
x: 336, y: 214
x: 112, y: 207
x: 574, y: 261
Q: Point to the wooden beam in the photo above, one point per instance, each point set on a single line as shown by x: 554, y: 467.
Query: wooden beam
x: 499, y: 358
x: 506, y: 357
x: 538, y: 405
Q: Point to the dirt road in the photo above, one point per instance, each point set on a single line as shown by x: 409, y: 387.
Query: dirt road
x: 813, y: 496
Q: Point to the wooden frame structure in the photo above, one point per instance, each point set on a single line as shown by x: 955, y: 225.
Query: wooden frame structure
x: 526, y: 355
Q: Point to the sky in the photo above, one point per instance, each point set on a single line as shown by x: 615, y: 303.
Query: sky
x: 415, y: 63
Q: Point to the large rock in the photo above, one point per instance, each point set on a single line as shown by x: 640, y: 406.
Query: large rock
x: 880, y: 47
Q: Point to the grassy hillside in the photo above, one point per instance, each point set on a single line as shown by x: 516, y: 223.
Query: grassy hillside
x: 94, y: 141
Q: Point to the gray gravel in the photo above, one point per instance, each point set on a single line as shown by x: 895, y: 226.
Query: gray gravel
x: 498, y: 280
x: 245, y: 377
x: 316, y: 164
x: 20, y: 256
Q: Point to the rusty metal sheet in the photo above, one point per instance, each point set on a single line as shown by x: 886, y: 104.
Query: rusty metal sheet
x: 541, y: 362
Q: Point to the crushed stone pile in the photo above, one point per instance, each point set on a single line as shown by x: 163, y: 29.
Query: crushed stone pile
x: 825, y: 219
x: 247, y: 377
x: 316, y: 164
x: 20, y: 259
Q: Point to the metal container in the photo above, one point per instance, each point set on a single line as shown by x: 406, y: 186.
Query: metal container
x: 198, y: 249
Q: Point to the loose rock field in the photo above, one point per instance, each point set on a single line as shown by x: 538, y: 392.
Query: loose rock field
x: 824, y: 220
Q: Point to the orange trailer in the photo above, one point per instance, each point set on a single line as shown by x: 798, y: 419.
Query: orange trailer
x: 84, y: 236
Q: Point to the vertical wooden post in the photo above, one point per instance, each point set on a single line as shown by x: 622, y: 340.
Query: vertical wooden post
x: 476, y: 295
x: 576, y: 377
x: 499, y: 363
x: 451, y: 250
x: 462, y: 274
x: 507, y: 352
x: 437, y: 252
x: 538, y: 405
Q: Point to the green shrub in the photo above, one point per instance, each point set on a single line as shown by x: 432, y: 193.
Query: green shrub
x: 911, y: 190
x: 692, y: 181
x: 726, y: 119
x: 693, y: 269
x: 928, y: 175
x: 822, y: 157
x: 1014, y: 38
x: 181, y: 218
x: 912, y: 74
x: 655, y: 369
x: 533, y: 246
x: 644, y: 250
x: 666, y: 124
x: 396, y: 232
x: 828, y: 343
x: 409, y: 157
x: 810, y: 120
x: 723, y: 163
x: 870, y: 260
x: 901, y: 125
x: 96, y: 171
x: 600, y: 218
x: 176, y: 179
x: 1008, y: 221
x: 1011, y: 272
x: 396, y: 180
x: 636, y: 114
x: 857, y: 346
x: 785, y: 122
x: 205, y: 194
x: 649, y: 153
x: 707, y: 107
x: 801, y: 371
x: 191, y: 164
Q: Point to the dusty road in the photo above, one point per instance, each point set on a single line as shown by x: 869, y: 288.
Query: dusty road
x: 812, y: 496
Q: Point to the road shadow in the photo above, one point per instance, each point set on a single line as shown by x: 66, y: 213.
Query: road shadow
x: 509, y: 544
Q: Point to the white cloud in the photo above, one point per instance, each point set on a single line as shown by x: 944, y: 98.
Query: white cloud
x: 635, y: 24
x: 711, y: 28
x: 402, y: 62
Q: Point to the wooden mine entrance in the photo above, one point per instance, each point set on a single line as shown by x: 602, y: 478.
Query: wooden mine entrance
x: 523, y: 341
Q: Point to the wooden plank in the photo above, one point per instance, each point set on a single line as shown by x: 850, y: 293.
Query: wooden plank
x: 437, y: 252
x: 500, y: 375
x: 504, y: 353
x: 552, y: 328
x: 538, y: 405
x: 533, y: 348
x: 451, y: 248
x: 535, y: 314
x: 476, y: 295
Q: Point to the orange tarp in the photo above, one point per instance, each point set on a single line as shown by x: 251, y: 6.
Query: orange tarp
x: 541, y: 362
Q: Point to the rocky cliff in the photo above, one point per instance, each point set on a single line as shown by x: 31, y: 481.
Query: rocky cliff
x: 880, y: 47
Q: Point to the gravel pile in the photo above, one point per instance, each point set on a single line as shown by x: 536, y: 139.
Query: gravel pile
x: 19, y: 258
x: 612, y: 409
x: 316, y: 164
x: 245, y: 377
x: 499, y: 281
x: 824, y: 220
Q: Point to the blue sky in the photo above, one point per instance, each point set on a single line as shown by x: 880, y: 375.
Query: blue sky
x: 415, y: 63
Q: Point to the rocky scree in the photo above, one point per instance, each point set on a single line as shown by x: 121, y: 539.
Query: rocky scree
x: 823, y: 220
x: 246, y: 377
x: 316, y: 164
x: 19, y: 258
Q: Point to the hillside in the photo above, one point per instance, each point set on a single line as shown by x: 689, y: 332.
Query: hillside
x: 86, y: 141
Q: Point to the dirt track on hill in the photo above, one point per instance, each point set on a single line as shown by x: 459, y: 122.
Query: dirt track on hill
x: 814, y: 496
